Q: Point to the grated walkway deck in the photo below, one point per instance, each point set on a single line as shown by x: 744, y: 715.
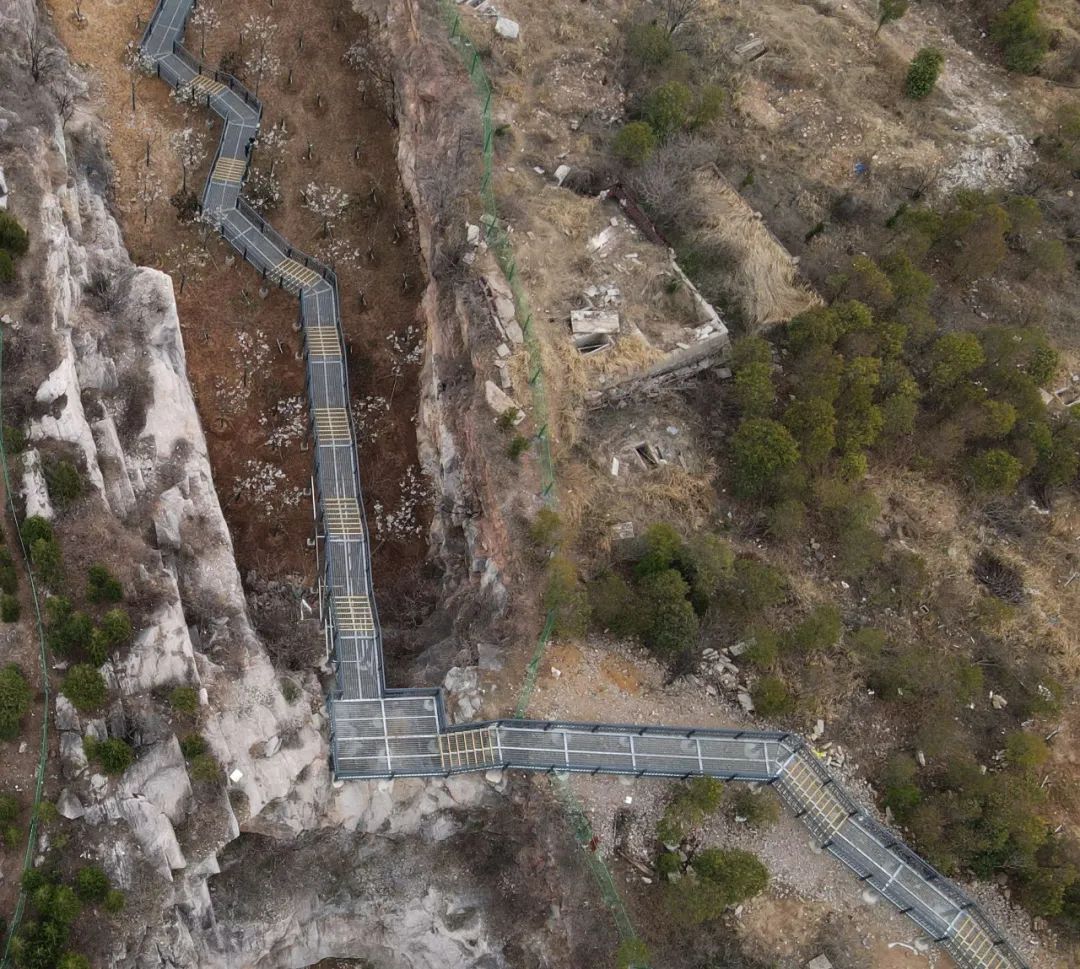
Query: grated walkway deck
x: 378, y: 732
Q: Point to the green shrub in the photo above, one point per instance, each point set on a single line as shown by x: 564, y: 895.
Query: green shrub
x: 9, y: 576
x: 923, y: 73
x: 662, y: 547
x: 184, y: 699
x: 812, y: 422
x: 102, y: 585
x: 901, y: 791
x: 9, y: 608
x: 786, y: 520
x: 508, y: 419
x: 47, y: 562
x: 204, y: 769
x: 666, y: 109
x: 717, y: 879
x: 761, y: 450
x: 650, y: 44
x: 545, y: 530
x: 34, y: 529
x: 771, y: 697
x: 114, y: 901
x: 690, y: 804
x: 867, y: 643
x: 64, y: 482
x: 115, y: 629
x: 634, y: 144
x: 1026, y: 751
x: 518, y: 445
x: 631, y: 954
x: 73, y: 960
x: 15, y: 696
x: 819, y: 631
x: 565, y: 596
x: 748, y: 350
x: 707, y: 563
x: 890, y: 11
x: 614, y: 606
x: 953, y: 357
x: 709, y: 106
x: 14, y: 439
x: 290, y: 691
x: 759, y: 809
x: 115, y: 756
x: 91, y: 884
x: 1049, y: 257
x: 192, y: 745
x: 85, y: 688
x: 762, y: 647
x: 754, y: 587
x: 1021, y: 36
x: 68, y: 632
x: 7, y: 267
x: 994, y: 472
x: 672, y: 625
x: 13, y: 236
x: 754, y: 390
x: 858, y: 550
x: 9, y: 808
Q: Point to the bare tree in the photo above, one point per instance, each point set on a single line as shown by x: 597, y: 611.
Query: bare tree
x: 189, y: 146
x: 376, y: 84
x: 42, y: 56
x: 263, y: 187
x: 147, y: 191
x: 261, y: 61
x: 678, y: 13
x: 137, y: 64
x: 185, y: 262
x: 78, y: 16
x: 327, y: 203
x: 64, y: 96
x: 205, y: 18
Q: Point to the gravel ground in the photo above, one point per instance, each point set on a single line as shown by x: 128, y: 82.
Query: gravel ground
x: 616, y: 682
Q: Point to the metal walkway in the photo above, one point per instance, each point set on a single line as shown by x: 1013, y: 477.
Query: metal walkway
x: 379, y: 732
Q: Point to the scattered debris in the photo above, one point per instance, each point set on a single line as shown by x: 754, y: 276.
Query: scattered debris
x: 748, y: 50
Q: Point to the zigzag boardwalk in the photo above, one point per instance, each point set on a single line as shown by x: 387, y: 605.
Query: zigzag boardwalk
x: 379, y: 732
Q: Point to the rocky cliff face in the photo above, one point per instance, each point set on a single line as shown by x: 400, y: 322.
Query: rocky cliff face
x: 97, y: 364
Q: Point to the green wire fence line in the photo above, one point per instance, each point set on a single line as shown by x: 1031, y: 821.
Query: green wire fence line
x: 533, y: 670
x: 498, y: 241
x: 39, y: 785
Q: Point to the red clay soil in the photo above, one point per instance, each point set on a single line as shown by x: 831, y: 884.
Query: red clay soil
x: 241, y: 343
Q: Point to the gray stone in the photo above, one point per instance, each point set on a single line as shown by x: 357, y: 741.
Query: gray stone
x: 34, y: 489
x: 69, y: 806
x: 72, y: 755
x: 587, y: 322
x: 67, y: 717
x: 819, y: 962
x: 489, y: 656
x: 500, y: 402
x: 505, y: 27
x: 745, y: 701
